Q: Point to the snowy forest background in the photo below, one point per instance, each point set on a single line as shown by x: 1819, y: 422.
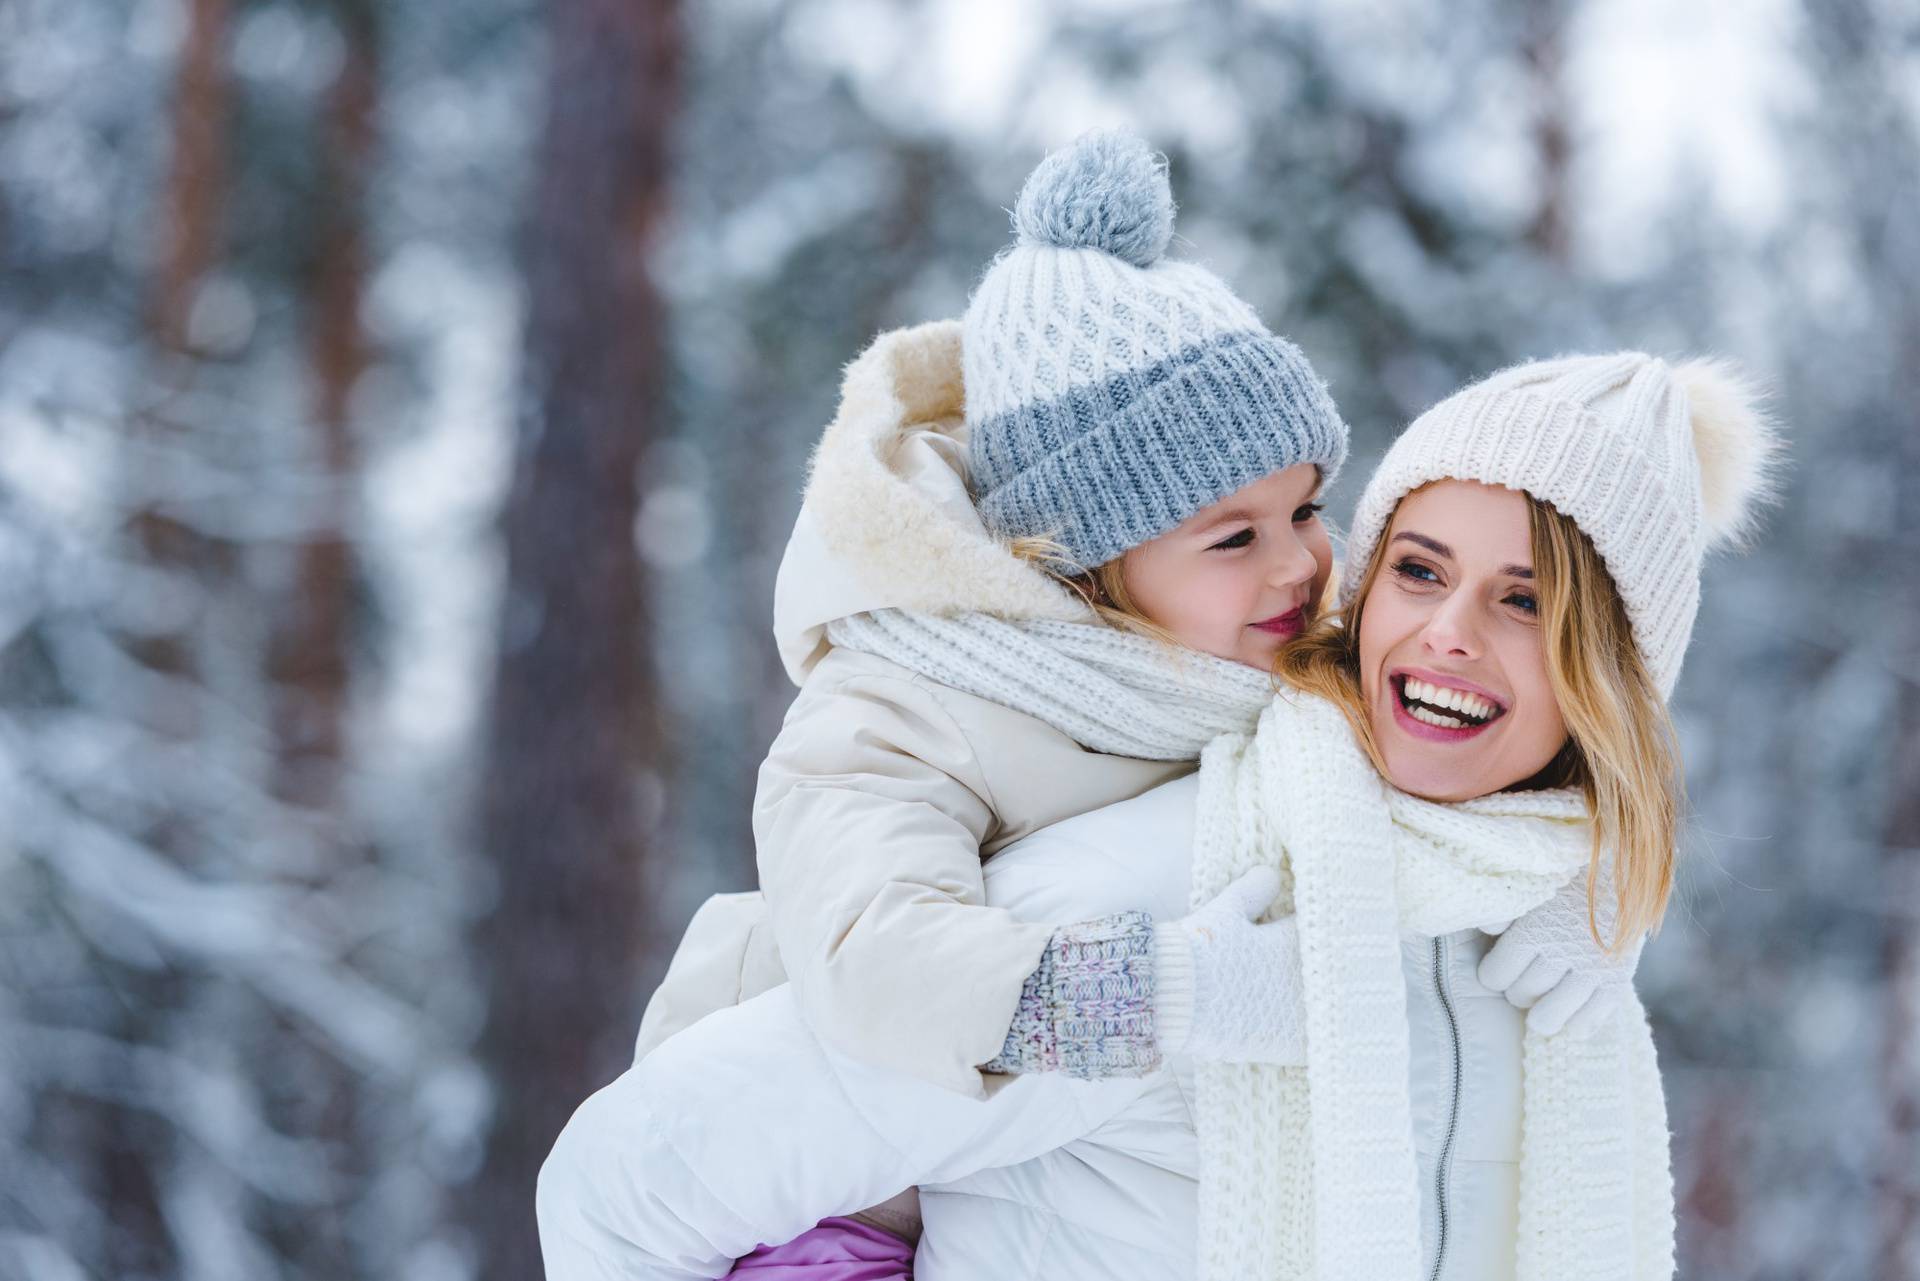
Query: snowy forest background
x: 403, y: 407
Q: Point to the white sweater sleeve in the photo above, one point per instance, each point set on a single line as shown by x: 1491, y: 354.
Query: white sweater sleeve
x: 743, y: 1130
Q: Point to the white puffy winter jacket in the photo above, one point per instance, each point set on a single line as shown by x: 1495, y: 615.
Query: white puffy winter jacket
x: 884, y: 789
x: 743, y: 1130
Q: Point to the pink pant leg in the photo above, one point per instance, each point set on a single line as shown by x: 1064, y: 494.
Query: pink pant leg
x: 834, y: 1250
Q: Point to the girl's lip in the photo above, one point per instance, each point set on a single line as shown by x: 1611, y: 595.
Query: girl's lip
x: 1291, y: 623
x: 1431, y: 733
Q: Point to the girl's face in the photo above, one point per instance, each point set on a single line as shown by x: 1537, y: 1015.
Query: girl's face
x: 1452, y: 666
x: 1237, y: 579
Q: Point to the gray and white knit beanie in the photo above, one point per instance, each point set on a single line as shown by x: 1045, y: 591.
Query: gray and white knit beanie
x: 1658, y: 464
x: 1112, y: 393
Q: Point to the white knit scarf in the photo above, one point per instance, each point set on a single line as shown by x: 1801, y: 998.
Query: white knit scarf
x: 1310, y: 1172
x: 1109, y: 690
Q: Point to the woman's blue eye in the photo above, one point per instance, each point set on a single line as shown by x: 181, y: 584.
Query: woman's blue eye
x: 1242, y: 539
x: 1308, y: 512
x: 1524, y: 601
x: 1415, y: 570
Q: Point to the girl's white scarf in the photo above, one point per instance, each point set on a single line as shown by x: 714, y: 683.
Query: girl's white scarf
x: 1108, y: 690
x: 1310, y: 1172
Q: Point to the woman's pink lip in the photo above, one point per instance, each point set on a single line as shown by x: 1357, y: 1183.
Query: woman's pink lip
x: 1291, y: 623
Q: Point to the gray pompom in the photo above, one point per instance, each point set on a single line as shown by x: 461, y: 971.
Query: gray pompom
x: 1107, y: 191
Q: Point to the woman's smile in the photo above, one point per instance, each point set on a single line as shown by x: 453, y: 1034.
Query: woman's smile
x: 1441, y: 708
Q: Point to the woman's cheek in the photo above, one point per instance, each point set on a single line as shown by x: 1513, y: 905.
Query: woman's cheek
x: 1371, y: 625
x: 1548, y: 729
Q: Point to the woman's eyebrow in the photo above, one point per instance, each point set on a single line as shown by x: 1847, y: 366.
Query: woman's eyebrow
x: 1433, y: 545
x: 1439, y: 548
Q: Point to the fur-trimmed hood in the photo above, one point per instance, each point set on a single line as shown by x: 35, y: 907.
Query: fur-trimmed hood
x: 887, y: 521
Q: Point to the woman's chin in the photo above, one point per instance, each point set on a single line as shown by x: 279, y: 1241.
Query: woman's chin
x: 1419, y: 769
x: 1439, y: 790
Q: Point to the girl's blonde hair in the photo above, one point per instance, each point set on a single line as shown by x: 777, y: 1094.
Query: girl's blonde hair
x: 1103, y: 588
x: 1620, y: 750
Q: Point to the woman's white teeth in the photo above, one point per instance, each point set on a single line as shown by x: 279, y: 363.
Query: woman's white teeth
x: 1435, y: 718
x: 1458, y: 700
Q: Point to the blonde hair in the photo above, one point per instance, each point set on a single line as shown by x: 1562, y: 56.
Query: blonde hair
x: 1103, y: 588
x: 1620, y: 752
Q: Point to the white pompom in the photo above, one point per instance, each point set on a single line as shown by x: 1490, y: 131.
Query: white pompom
x: 1737, y: 443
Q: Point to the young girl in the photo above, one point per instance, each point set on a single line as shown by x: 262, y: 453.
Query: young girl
x: 966, y: 680
x: 963, y: 604
x: 1526, y: 568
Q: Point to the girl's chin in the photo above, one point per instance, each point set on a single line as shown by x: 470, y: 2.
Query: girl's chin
x: 1257, y: 653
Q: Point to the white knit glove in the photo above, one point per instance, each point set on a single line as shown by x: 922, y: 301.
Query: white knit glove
x: 1226, y: 988
x: 1549, y: 964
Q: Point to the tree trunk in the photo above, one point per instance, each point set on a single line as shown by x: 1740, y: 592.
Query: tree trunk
x: 196, y: 182
x: 308, y: 661
x: 308, y: 647
x: 573, y: 751
x: 1544, y: 50
x: 130, y: 1151
x: 1893, y: 246
x: 1899, y: 1173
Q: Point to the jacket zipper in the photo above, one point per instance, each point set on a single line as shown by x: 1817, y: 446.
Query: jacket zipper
x: 1440, y: 957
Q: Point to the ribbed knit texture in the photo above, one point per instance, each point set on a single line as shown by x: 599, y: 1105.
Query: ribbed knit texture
x: 1087, y: 1009
x: 1173, y: 976
x: 1609, y: 441
x: 1110, y: 393
x: 1311, y: 1172
x: 1109, y: 690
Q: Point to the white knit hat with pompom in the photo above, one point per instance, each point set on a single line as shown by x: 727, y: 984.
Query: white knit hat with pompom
x: 1656, y: 463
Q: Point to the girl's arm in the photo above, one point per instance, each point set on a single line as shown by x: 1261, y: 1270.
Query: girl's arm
x: 868, y: 820
x: 870, y: 814
x: 743, y: 1130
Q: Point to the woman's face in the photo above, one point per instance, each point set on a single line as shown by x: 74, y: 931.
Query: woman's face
x: 1239, y: 578
x: 1452, y: 665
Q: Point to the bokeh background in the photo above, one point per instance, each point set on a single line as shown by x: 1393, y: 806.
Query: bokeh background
x: 403, y: 408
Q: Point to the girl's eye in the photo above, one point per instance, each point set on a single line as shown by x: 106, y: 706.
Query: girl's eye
x: 1242, y: 539
x: 1308, y: 512
x: 1414, y: 571
x: 1520, y: 600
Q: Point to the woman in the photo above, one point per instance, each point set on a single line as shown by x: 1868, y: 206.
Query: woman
x: 1523, y: 576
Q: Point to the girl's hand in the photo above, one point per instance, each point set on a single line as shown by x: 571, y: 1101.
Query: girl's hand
x: 1549, y: 964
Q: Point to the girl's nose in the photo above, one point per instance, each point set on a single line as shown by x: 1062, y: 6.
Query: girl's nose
x: 1292, y: 563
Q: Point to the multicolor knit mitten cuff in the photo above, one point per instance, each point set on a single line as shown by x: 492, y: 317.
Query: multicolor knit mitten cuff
x: 1088, y: 1009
